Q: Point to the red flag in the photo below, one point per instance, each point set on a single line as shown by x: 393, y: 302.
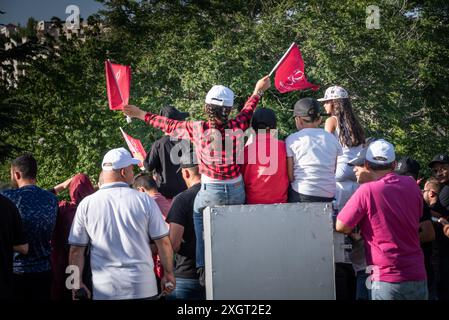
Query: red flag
x: 135, y: 146
x: 290, y: 73
x: 118, y: 82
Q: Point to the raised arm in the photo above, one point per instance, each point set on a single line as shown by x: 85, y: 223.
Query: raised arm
x: 62, y: 186
x: 175, y: 128
x: 243, y: 119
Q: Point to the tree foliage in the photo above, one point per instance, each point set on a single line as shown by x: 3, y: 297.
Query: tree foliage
x: 396, y: 75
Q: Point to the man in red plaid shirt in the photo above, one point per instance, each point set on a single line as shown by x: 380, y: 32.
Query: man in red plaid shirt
x: 218, y: 143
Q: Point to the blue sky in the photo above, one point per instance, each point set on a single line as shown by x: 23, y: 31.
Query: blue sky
x: 18, y: 11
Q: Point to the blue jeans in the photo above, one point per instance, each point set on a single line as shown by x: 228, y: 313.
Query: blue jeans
x: 213, y: 194
x: 408, y: 290
x: 362, y: 292
x: 187, y: 289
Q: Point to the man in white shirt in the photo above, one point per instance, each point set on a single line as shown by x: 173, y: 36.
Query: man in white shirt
x: 311, y: 156
x: 118, y: 224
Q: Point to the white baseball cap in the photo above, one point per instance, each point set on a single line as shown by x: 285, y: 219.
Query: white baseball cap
x: 220, y: 96
x: 117, y: 159
x: 380, y: 152
x: 334, y: 92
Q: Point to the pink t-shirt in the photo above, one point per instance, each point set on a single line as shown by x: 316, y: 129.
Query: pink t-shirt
x: 265, y: 170
x: 163, y: 203
x: 388, y: 212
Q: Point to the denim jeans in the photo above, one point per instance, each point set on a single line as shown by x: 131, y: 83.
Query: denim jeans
x: 187, y: 289
x: 408, y: 290
x: 213, y: 194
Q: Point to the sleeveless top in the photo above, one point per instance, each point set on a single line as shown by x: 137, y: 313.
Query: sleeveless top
x: 348, y: 152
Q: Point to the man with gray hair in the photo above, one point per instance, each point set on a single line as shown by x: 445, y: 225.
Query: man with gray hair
x: 118, y: 223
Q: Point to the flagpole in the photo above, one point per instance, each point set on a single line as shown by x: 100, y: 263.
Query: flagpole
x: 282, y: 59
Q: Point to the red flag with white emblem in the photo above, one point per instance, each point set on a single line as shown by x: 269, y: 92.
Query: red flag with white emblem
x: 118, y: 83
x: 290, y: 73
x: 135, y: 146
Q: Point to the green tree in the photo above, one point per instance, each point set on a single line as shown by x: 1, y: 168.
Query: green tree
x: 396, y: 75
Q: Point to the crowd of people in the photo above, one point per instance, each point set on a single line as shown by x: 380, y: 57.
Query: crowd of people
x: 140, y: 237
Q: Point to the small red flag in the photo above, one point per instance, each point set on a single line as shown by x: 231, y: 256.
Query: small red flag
x: 135, y: 146
x: 118, y: 83
x: 290, y: 73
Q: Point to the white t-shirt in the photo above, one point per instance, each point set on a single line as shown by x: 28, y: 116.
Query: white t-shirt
x: 314, y: 153
x: 118, y: 223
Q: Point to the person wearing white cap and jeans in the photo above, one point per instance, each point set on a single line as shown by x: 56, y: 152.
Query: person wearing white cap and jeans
x: 347, y: 129
x: 388, y: 210
x: 218, y: 143
x: 118, y: 223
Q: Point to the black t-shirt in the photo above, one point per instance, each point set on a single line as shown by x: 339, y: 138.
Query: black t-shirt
x: 442, y: 207
x: 443, y: 199
x: 426, y: 247
x: 159, y: 159
x: 181, y: 212
x: 11, y: 234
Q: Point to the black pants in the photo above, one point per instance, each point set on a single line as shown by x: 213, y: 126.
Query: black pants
x: 441, y: 264
x: 32, y: 286
x: 294, y: 196
x: 345, y: 282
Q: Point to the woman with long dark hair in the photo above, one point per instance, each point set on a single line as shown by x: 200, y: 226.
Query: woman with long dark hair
x: 344, y: 124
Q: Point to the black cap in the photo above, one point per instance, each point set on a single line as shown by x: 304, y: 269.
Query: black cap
x: 439, y: 158
x: 408, y: 167
x: 307, y: 107
x: 264, y: 116
x: 359, y: 160
x: 173, y: 113
x: 188, y: 160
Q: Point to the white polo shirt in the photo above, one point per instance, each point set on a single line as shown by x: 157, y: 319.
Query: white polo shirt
x: 118, y: 223
x: 314, y: 152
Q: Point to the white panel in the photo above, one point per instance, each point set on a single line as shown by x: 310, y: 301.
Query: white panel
x: 282, y: 251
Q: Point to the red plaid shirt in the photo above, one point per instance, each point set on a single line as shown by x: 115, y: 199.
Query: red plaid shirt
x: 217, y: 159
